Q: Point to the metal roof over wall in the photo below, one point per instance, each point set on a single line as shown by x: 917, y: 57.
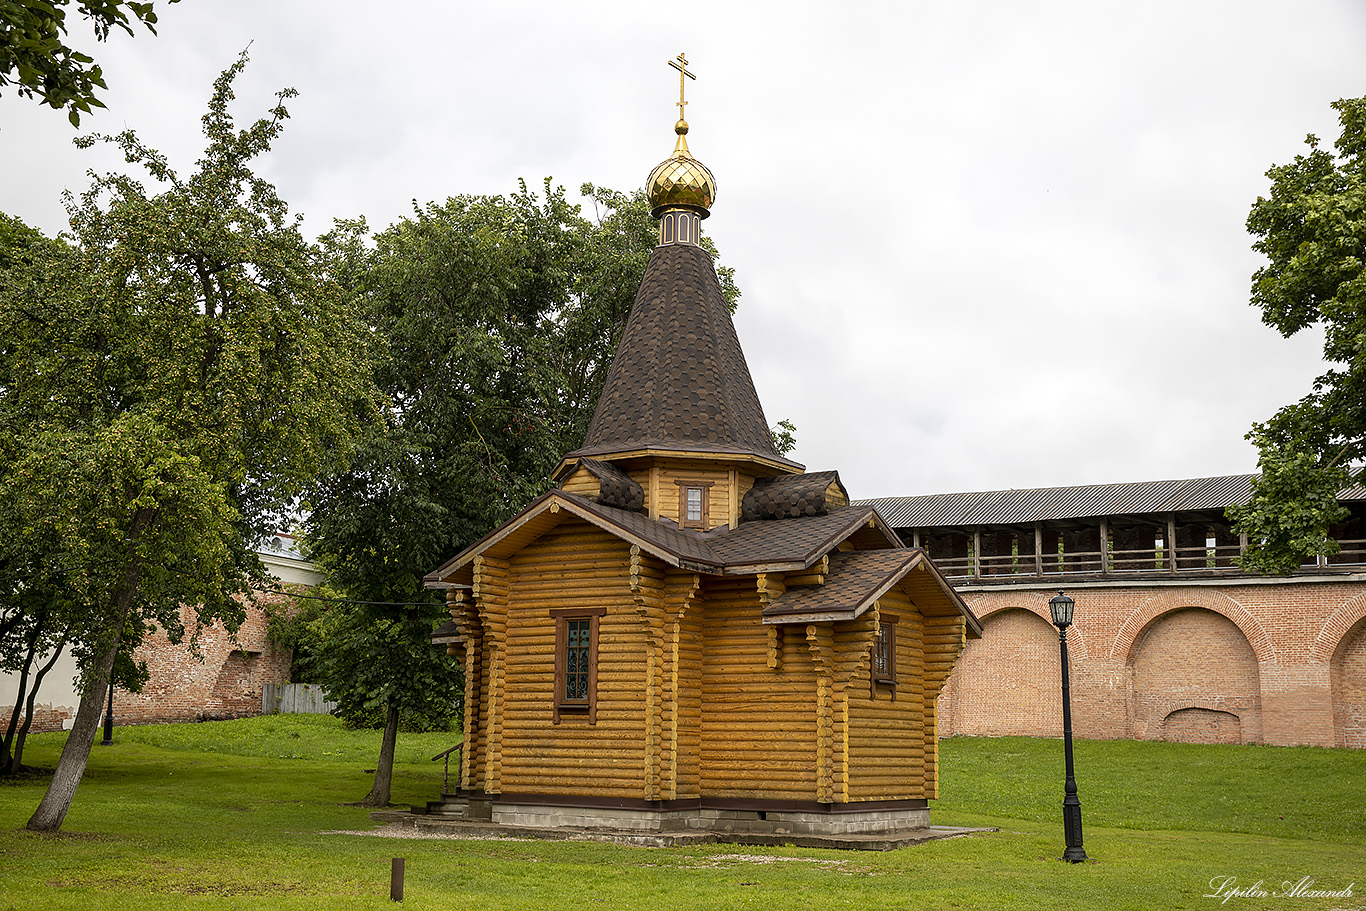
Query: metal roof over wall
x: 1020, y: 507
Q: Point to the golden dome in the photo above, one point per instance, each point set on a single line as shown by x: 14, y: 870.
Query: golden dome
x: 681, y: 181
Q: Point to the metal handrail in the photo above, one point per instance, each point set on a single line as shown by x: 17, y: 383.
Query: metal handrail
x: 446, y: 771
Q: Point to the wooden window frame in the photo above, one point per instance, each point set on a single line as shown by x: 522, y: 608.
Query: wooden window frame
x: 886, y: 633
x: 683, y: 488
x: 562, y: 706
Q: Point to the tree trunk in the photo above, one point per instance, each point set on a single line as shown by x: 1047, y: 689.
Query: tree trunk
x: 18, y: 753
x: 51, y: 812
x: 384, y: 775
x: 9, y: 762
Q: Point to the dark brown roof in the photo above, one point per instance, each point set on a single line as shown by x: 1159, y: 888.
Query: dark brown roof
x: 802, y: 540
x: 788, y: 496
x: 679, y: 380
x: 786, y: 543
x: 446, y: 633
x: 615, y: 487
x: 687, y: 547
x: 856, y: 579
x: 778, y: 545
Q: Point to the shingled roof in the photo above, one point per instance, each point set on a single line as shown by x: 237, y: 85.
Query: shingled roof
x: 679, y: 380
x: 615, y: 487
x: 789, y: 544
x: 855, y: 578
x: 1022, y: 507
x: 789, y: 496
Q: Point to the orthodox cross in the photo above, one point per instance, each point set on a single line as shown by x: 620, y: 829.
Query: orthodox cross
x: 680, y: 63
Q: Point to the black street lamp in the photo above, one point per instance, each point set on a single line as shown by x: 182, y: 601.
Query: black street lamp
x: 1062, y: 607
x: 109, y: 720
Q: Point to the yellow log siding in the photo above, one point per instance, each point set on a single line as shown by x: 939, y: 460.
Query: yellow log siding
x: 718, y: 494
x: 834, y: 496
x: 944, y: 641
x: 470, y: 653
x: 661, y: 492
x: 758, y: 725
x: 573, y: 565
x: 888, y: 741
x: 582, y: 481
x: 490, y: 593
x: 685, y: 659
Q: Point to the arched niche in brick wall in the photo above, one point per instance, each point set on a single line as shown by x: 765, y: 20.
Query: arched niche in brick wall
x: 1141, y: 618
x: 1200, y: 725
x: 1337, y: 627
x: 1077, y: 651
x: 1193, y: 658
x: 1349, y: 688
x: 1009, y: 681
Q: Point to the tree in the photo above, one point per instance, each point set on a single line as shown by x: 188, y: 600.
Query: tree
x: 35, y: 57
x: 1312, y: 229
x: 172, y: 378
x: 378, y: 662
x: 499, y: 317
x: 36, y: 618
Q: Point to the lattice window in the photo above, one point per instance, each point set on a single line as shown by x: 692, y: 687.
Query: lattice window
x: 692, y: 503
x: 576, y: 662
x: 883, y: 669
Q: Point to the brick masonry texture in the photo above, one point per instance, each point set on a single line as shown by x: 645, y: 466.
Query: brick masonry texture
x: 1257, y: 662
x: 223, y: 680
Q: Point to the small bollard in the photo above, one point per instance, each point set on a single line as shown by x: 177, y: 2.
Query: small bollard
x: 396, y: 880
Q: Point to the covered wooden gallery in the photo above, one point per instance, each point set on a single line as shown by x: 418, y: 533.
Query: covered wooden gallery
x: 689, y: 632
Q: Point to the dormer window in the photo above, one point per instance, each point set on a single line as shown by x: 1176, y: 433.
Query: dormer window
x: 692, y: 503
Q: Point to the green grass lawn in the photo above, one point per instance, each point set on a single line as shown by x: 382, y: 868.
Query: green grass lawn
x: 247, y: 814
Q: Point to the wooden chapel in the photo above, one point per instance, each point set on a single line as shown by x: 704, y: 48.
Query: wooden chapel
x: 690, y: 632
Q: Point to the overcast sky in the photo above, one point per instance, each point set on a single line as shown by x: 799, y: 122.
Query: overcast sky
x: 982, y: 245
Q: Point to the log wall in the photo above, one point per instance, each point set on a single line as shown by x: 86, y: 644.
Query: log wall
x: 758, y: 729
x: 888, y: 745
x: 575, y: 565
x: 695, y: 697
x: 582, y: 481
x: 728, y: 488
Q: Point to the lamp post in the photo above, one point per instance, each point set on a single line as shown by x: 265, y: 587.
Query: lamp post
x: 109, y: 719
x: 1061, y: 608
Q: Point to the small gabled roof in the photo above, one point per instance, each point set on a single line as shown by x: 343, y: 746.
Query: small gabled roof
x: 674, y: 545
x: 775, y: 544
x: 447, y: 633
x: 790, y: 496
x: 858, y: 578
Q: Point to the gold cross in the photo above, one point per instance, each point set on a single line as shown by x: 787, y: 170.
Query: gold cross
x: 680, y: 63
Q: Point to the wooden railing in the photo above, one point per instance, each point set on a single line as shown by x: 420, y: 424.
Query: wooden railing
x: 1180, y: 561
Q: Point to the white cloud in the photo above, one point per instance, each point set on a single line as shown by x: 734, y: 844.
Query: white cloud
x: 983, y: 244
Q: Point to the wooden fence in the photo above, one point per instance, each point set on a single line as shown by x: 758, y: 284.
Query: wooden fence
x: 295, y: 699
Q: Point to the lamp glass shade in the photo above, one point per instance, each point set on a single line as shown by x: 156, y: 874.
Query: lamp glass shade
x: 1062, y: 607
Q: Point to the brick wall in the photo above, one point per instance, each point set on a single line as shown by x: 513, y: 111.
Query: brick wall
x: 1349, y: 688
x: 223, y: 681
x: 1262, y: 661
